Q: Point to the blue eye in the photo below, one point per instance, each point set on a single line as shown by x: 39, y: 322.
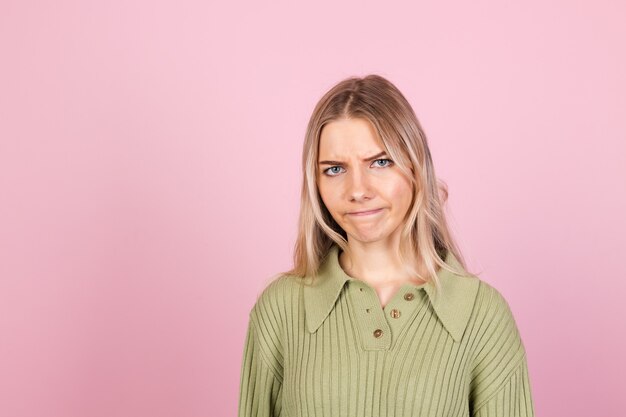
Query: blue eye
x: 327, y: 170
x: 388, y: 160
x: 330, y: 169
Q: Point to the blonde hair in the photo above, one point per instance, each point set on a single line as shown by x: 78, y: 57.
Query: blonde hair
x: 425, y: 234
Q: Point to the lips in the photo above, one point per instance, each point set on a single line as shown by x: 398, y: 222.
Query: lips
x: 365, y: 212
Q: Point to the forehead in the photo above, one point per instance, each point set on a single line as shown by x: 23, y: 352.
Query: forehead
x: 349, y: 137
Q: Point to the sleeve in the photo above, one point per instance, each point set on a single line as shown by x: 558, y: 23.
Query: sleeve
x: 513, y: 399
x: 260, y: 390
x: 500, y: 383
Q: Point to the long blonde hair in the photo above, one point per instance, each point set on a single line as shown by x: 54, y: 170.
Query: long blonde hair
x: 425, y: 234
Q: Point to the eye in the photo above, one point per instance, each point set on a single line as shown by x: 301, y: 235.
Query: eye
x: 331, y: 173
x: 327, y: 170
x: 388, y: 160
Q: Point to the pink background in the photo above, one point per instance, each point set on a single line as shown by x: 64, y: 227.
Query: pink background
x: 150, y: 178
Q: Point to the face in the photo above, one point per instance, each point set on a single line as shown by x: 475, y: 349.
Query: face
x: 356, y: 175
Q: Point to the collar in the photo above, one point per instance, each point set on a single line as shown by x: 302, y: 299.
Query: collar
x: 452, y: 306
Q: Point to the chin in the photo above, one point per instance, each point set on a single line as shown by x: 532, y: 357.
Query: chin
x: 368, y: 238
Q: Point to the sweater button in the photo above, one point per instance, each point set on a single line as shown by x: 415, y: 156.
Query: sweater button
x: 408, y: 296
x: 395, y: 313
x: 378, y: 333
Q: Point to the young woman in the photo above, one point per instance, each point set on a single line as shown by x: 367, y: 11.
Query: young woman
x: 379, y: 316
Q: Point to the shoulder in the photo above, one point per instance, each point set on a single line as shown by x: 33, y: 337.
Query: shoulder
x: 267, y: 321
x: 277, y: 292
x: 269, y: 316
x: 498, y: 339
x: 492, y: 305
x: 276, y: 300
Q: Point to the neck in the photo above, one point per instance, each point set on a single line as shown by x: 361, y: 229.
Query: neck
x: 378, y: 267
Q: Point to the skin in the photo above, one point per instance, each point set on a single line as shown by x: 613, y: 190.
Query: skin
x: 350, y: 183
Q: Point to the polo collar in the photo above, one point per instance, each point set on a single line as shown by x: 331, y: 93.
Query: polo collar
x: 453, y: 306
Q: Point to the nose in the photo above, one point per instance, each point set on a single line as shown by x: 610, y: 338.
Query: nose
x: 358, y: 186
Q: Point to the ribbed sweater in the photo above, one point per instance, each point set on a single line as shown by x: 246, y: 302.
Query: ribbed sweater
x: 327, y: 347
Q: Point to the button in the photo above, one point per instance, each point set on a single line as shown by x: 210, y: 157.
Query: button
x: 395, y: 313
x: 378, y: 333
x: 408, y: 296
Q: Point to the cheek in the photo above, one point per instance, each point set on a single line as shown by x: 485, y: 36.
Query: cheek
x: 327, y: 197
x: 401, y: 192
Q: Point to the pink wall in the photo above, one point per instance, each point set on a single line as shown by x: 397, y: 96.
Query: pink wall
x: 149, y: 179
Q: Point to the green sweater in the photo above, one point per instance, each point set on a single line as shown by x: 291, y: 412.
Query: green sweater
x: 332, y: 350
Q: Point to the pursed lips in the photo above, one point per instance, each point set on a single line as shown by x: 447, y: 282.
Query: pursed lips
x: 365, y: 213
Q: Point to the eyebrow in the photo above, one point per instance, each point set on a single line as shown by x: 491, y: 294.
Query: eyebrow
x: 368, y: 159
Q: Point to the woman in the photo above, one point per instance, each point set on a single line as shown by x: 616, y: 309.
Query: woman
x: 379, y: 316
